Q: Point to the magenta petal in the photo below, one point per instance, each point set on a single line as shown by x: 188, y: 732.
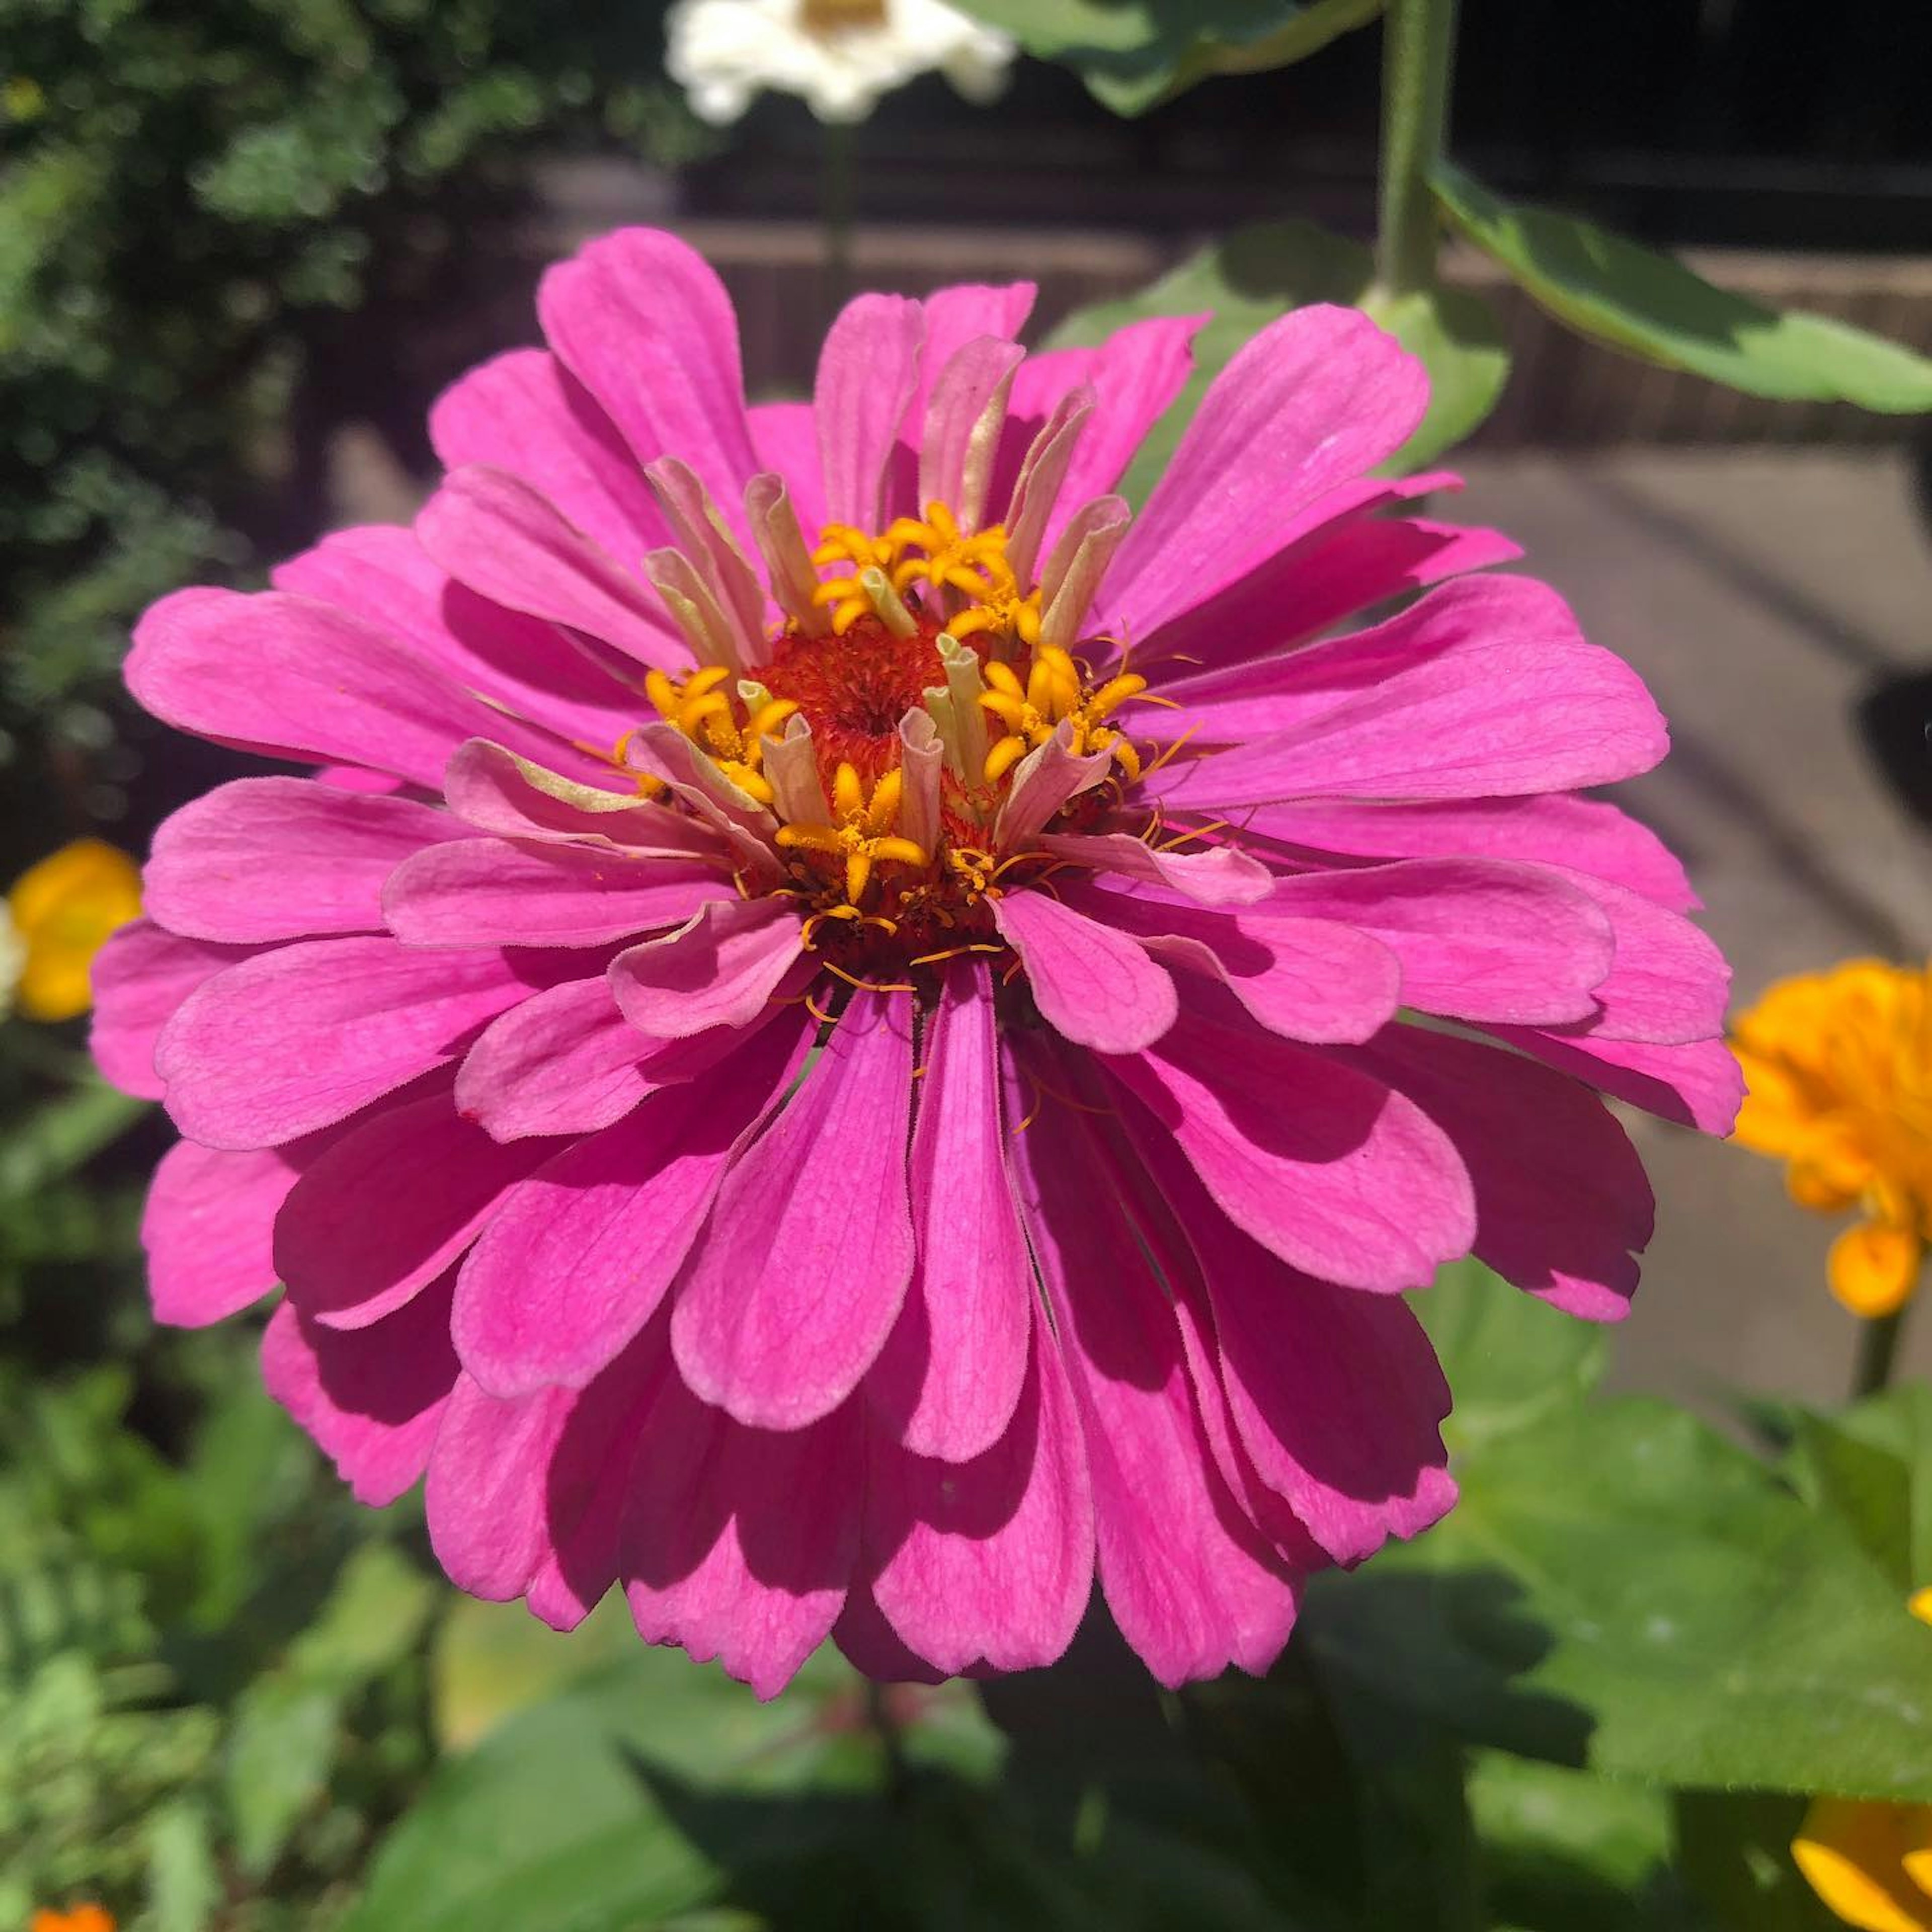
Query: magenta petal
x: 265, y: 858
x: 1668, y: 985
x: 1325, y: 1168
x: 565, y: 1061
x: 1314, y: 401
x: 717, y: 970
x: 486, y: 1493
x: 785, y: 436
x: 296, y: 1039
x: 488, y: 892
x: 491, y: 791
x: 963, y: 416
x: 790, y: 1296
x: 1091, y: 983
x: 1562, y: 1204
x: 388, y: 1207
x: 372, y: 1399
x: 497, y: 535
x: 1189, y: 1579
x: 1700, y: 1084
x: 525, y: 412
x: 642, y: 321
x: 577, y: 1257
x: 209, y: 1231
x: 868, y: 372
x: 141, y: 978
x: 950, y: 1374
x: 1477, y: 940
x: 991, y: 1561
x: 1220, y: 876
x: 739, y: 1543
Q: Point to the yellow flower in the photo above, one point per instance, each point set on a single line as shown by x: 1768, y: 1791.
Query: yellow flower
x: 1840, y: 1069
x: 63, y: 909
x: 1871, y: 1863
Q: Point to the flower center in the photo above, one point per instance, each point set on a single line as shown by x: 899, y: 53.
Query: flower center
x: 824, y: 18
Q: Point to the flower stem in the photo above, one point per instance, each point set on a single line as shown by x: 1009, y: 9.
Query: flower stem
x: 837, y: 183
x: 1878, y: 1349
x: 1418, y: 56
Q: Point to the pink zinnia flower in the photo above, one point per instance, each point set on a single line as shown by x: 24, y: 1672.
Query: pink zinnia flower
x: 848, y: 1036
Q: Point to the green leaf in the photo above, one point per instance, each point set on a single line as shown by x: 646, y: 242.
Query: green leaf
x: 61, y: 1135
x: 1654, y: 308
x: 1898, y: 1423
x: 1868, y: 1486
x: 1734, y: 1850
x: 1260, y: 273
x: 1510, y: 1360
x: 1133, y: 54
x: 183, y: 1882
x: 1621, y: 1589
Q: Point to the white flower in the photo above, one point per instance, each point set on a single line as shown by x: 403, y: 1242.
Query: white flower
x: 840, y: 55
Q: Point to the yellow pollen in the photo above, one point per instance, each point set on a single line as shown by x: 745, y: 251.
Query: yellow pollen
x: 864, y: 836
x: 702, y: 713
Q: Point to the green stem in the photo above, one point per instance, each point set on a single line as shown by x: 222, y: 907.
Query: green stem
x: 837, y: 192
x: 1878, y: 1350
x: 1418, y: 56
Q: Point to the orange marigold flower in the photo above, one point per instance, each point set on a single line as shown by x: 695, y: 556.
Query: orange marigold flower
x: 1840, y: 1069
x: 82, y: 1919
x: 62, y: 911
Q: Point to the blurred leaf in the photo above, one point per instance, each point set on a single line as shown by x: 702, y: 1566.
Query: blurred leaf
x: 183, y: 1885
x: 51, y: 1142
x: 1133, y: 54
x: 1620, y: 1588
x: 492, y: 1660
x: 1654, y: 308
x: 1734, y: 1850
x: 1510, y: 1360
x: 1259, y: 273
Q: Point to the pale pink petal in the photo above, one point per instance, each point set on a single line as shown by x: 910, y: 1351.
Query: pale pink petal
x: 1325, y: 1168
x: 717, y: 970
x: 489, y: 892
x: 1477, y: 940
x: 1306, y: 980
x: 1219, y: 876
x: 991, y: 1561
x: 1562, y: 1205
x: 739, y: 1543
x: 388, y: 1206
x: 296, y: 1039
x: 525, y: 412
x: 578, y: 1256
x: 141, y: 978
x: 372, y: 1399
x: 1091, y: 983
x: 1557, y: 829
x: 1699, y: 1085
x: 208, y: 1230
x: 488, y: 1493
x: 642, y: 321
x: 950, y: 1376
x: 263, y: 858
x: 868, y: 372
x: 1189, y: 1580
x: 496, y: 535
x: 1312, y: 401
x: 1041, y: 782
x: 491, y: 789
x: 961, y: 431
x: 791, y: 1296
x: 291, y: 678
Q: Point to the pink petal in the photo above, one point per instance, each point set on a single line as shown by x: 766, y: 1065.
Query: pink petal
x: 717, y: 970
x: 1477, y: 940
x: 372, y: 1399
x: 293, y: 679
x: 390, y: 1205
x: 1668, y: 985
x: 1699, y: 1085
x: 790, y: 1297
x: 381, y: 574
x: 1584, y: 833
x: 264, y: 859
x: 951, y: 1374
x: 1312, y: 401
x: 642, y: 321
x: 488, y: 892
x: 990, y: 1560
x: 785, y: 436
x: 577, y: 1257
x: 954, y: 315
x: 207, y: 1229
x: 739, y: 1543
x: 1221, y: 875
x: 493, y: 791
x: 1562, y: 1204
x: 141, y: 977
x: 1306, y: 980
x: 564, y: 1061
x: 1091, y: 983
x: 488, y: 1492
x: 867, y: 371
x: 872, y: 1647
x: 1189, y: 1579
x: 525, y: 412
x: 961, y: 434
x: 296, y: 1039
x: 1043, y: 781
x: 1325, y: 1168
x: 496, y: 535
